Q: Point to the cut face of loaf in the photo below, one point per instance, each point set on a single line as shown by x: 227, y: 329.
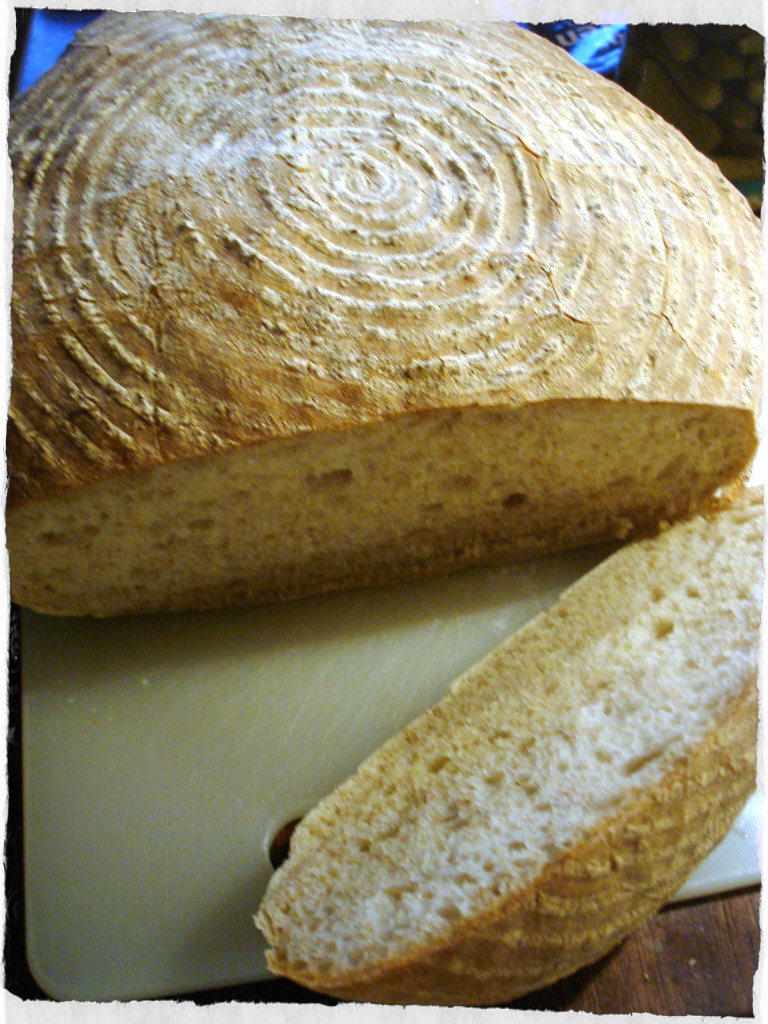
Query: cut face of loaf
x: 304, y: 304
x: 404, y: 498
x: 555, y: 798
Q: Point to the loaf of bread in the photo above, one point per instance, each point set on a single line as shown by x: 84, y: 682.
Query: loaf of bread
x: 300, y: 305
x: 554, y: 799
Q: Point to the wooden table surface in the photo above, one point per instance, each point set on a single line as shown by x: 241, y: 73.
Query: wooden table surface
x: 696, y: 959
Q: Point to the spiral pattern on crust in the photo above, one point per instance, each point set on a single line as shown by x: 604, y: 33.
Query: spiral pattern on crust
x: 377, y: 216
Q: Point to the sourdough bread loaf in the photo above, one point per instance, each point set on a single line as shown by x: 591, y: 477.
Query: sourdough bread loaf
x: 555, y: 798
x: 307, y: 304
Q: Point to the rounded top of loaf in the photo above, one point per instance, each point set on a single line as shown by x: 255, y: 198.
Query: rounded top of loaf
x: 232, y: 229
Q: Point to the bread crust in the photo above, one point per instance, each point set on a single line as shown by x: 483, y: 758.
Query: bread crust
x: 193, y: 272
x: 587, y: 901
x: 555, y: 798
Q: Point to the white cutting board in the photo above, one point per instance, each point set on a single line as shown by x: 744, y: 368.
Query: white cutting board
x: 160, y: 755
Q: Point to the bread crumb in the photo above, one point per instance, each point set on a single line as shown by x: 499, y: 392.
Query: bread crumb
x: 454, y: 813
x: 623, y: 528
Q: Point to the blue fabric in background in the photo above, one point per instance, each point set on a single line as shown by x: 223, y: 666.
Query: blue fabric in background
x: 50, y: 32
x: 597, y: 46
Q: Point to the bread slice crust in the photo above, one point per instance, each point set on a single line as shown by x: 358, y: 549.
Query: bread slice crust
x: 554, y: 799
x: 582, y: 905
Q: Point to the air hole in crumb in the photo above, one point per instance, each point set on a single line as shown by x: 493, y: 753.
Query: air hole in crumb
x: 514, y: 500
x: 201, y: 524
x: 516, y: 845
x: 704, y: 432
x: 280, y: 844
x: 52, y: 538
x: 501, y: 734
x: 332, y: 478
x: 640, y: 762
x: 438, y: 764
x: 662, y: 628
x: 692, y: 591
x: 463, y: 481
x: 622, y: 482
x: 656, y: 593
x: 396, y: 892
x: 449, y: 912
x: 489, y: 866
x: 673, y: 469
x: 456, y: 823
x: 530, y: 788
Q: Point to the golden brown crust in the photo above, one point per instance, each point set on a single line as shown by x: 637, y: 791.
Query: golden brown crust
x: 584, y: 903
x: 230, y: 229
x: 557, y: 795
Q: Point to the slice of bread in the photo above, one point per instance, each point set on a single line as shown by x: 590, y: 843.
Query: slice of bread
x: 555, y: 798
